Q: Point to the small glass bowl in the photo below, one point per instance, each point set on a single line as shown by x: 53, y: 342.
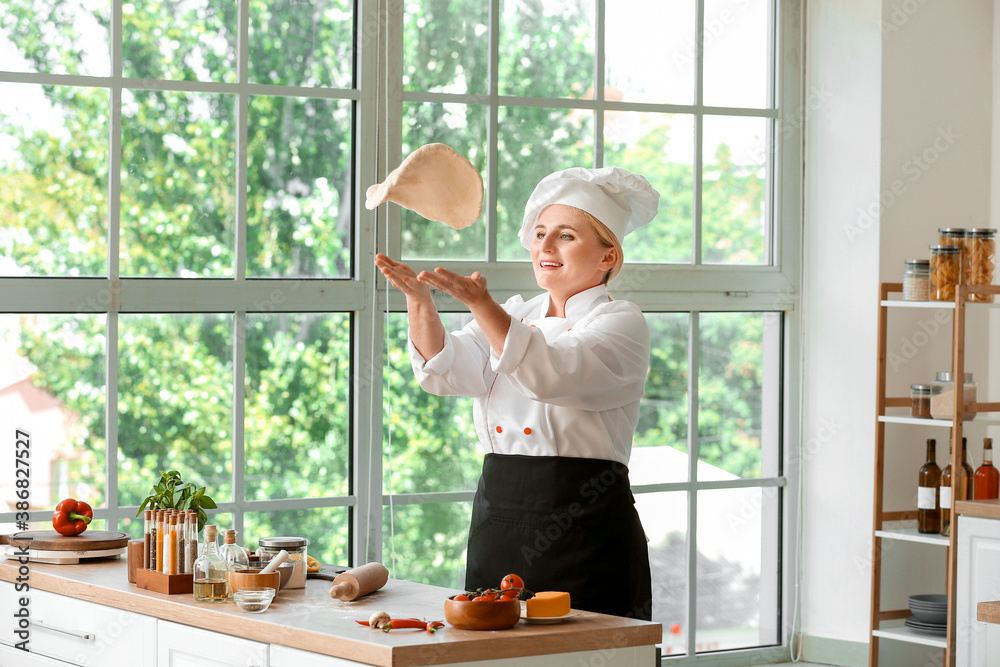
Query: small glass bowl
x: 254, y: 600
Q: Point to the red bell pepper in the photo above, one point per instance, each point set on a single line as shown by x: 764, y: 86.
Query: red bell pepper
x: 71, y: 517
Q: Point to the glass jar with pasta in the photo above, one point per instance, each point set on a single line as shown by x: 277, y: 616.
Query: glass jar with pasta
x: 981, y: 244
x: 946, y: 271
x: 957, y: 236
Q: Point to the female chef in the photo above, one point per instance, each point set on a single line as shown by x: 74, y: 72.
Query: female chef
x: 556, y: 382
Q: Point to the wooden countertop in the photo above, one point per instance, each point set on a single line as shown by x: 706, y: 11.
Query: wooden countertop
x: 309, y: 619
x: 988, y: 612
x: 986, y: 509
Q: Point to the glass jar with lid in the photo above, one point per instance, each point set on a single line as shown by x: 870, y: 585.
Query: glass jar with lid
x: 916, y: 280
x: 952, y: 235
x: 981, y: 253
x: 920, y: 401
x: 946, y: 271
x: 943, y: 396
x: 297, y: 552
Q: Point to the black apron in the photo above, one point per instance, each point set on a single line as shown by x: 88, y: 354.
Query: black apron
x: 563, y: 524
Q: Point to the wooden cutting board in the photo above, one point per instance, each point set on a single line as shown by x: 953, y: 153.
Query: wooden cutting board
x: 50, y: 540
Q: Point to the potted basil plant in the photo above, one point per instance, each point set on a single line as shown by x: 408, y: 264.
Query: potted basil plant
x: 171, y: 492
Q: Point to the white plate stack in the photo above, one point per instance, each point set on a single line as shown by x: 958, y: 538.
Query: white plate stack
x: 930, y: 614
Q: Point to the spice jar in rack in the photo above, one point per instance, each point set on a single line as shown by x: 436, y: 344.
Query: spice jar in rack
x: 296, y: 548
x: 943, y: 395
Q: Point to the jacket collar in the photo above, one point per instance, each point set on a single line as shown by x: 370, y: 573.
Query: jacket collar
x: 580, y: 303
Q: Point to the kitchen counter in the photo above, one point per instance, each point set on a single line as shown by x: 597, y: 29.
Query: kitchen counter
x: 986, y: 612
x: 985, y: 509
x: 309, y: 619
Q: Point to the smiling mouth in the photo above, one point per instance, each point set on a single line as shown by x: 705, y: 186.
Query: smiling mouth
x: 549, y: 265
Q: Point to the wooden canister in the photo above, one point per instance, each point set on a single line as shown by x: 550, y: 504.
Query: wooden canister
x: 134, y: 555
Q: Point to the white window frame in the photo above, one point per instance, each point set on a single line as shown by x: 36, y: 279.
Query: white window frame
x: 378, y: 107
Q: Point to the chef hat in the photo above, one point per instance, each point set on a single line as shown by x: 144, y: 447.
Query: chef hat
x: 623, y: 201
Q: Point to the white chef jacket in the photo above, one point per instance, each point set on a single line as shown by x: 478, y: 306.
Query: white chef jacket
x: 562, y: 387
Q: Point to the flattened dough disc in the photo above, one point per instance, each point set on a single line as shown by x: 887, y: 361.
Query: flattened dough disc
x: 436, y: 182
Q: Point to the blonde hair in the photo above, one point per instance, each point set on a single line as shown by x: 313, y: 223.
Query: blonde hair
x: 608, y: 240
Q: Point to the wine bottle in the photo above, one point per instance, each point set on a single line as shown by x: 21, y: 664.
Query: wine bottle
x: 945, y: 499
x: 928, y: 509
x: 950, y: 493
x: 969, y: 475
x: 987, y: 481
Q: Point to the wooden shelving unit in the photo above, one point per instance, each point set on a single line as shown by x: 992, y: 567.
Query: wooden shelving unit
x: 896, y: 531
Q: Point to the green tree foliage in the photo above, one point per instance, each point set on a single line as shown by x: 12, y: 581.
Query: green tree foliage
x: 178, y: 212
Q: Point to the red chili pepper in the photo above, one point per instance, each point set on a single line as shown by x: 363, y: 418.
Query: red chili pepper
x: 408, y: 623
x: 71, y: 517
x: 415, y: 623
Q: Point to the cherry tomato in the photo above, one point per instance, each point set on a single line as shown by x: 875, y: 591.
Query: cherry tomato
x: 485, y: 597
x: 511, y: 581
x: 509, y: 594
x: 461, y: 598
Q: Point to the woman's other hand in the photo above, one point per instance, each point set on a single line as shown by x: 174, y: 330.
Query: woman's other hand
x: 402, y: 277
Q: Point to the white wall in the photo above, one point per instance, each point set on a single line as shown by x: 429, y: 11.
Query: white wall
x: 840, y: 274
x: 901, y: 146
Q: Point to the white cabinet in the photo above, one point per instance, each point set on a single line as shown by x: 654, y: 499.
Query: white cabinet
x: 15, y: 656
x: 80, y: 632
x: 977, y: 580
x: 285, y: 656
x: 183, y: 646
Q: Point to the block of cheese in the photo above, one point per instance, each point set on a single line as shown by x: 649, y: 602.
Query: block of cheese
x: 547, y: 603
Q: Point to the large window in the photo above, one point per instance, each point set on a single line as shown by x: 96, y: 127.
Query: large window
x: 186, y: 277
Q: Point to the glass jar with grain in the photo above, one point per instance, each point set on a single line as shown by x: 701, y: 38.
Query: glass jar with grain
x: 946, y: 271
x: 916, y: 280
x: 981, y: 245
x: 943, y: 395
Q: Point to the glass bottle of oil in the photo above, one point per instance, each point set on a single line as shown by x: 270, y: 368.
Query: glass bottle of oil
x: 210, y: 570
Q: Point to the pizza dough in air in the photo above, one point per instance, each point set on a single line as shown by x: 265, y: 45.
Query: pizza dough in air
x: 436, y: 182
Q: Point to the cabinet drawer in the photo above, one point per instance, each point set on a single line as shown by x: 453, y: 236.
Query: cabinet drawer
x: 85, y: 633
x: 286, y: 656
x: 13, y: 656
x: 184, y: 646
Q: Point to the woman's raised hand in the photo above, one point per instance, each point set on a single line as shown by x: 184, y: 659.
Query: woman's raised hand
x: 402, y: 277
x: 470, y: 290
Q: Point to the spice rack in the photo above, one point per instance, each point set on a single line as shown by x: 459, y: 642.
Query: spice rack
x: 883, y: 402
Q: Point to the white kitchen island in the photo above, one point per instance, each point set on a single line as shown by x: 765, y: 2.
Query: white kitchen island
x: 88, y: 614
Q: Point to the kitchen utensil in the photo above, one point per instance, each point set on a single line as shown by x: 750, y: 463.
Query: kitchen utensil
x: 929, y: 608
x: 360, y: 581
x: 280, y: 558
x: 48, y: 546
x: 296, y: 547
x: 134, y: 558
x: 926, y: 628
x: 482, y: 615
x: 252, y: 578
x: 254, y: 600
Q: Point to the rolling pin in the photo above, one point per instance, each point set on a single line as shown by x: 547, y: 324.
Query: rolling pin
x: 360, y: 581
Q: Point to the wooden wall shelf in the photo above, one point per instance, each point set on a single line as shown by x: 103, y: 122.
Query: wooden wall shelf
x: 988, y: 413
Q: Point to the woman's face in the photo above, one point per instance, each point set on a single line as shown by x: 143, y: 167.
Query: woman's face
x: 566, y: 254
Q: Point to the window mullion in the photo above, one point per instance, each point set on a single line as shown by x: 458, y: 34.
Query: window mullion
x: 242, y: 112
x: 493, y: 132
x: 694, y: 354
x: 238, y: 454
x: 111, y: 422
x: 599, y: 68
